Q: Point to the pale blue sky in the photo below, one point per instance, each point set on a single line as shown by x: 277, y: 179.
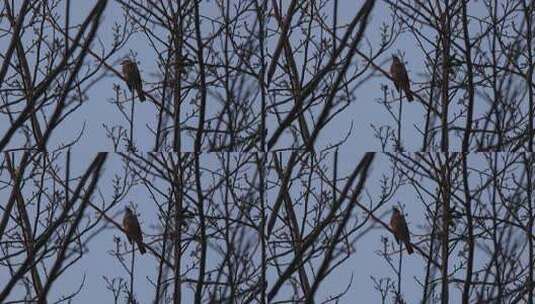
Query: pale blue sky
x: 363, y: 111
x: 97, y: 110
x: 365, y: 262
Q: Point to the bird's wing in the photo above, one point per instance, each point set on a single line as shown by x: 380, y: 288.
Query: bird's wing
x: 394, y: 72
x: 136, y: 229
x: 405, y: 77
x: 405, y: 230
x: 127, y: 226
x: 394, y: 224
x: 126, y: 75
x: 137, y: 75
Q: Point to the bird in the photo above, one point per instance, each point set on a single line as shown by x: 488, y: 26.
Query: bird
x: 400, y: 229
x: 400, y: 77
x: 133, y: 230
x: 133, y: 78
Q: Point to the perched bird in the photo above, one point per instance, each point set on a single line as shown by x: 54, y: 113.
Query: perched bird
x: 400, y: 77
x: 133, y: 231
x: 133, y: 78
x: 401, y: 231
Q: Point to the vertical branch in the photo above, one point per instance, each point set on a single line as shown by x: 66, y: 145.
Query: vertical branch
x: 497, y: 97
x: 131, y: 123
x: 470, y: 237
x: 398, y: 300
x: 166, y: 237
x: 445, y: 34
x: 497, y: 253
x: 470, y: 83
x: 528, y: 15
x: 429, y: 115
x: 335, y: 174
x: 178, y: 65
x: 67, y: 25
x: 528, y: 164
x: 202, y: 87
x: 178, y: 220
x: 131, y: 273
x: 260, y: 11
x: 261, y: 162
x: 165, y: 95
x: 429, y: 284
x: 398, y: 120
x: 335, y: 23
x: 445, y: 190
x: 202, y: 228
x: 229, y: 95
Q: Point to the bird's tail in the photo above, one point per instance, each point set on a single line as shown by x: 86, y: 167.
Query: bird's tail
x: 141, y: 247
x: 409, y: 247
x: 409, y: 95
x: 141, y: 95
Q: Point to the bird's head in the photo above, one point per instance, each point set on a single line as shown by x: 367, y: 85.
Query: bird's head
x: 395, y: 58
x: 127, y: 210
x: 126, y: 61
x: 395, y: 210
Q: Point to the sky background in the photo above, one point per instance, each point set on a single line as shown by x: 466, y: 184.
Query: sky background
x: 363, y: 111
x: 364, y: 263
